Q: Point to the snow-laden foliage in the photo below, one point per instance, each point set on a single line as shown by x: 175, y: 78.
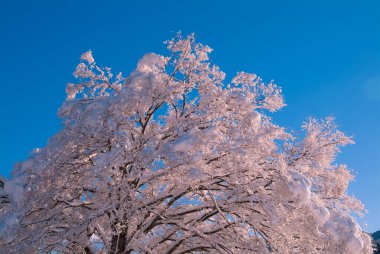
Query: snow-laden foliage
x: 175, y: 160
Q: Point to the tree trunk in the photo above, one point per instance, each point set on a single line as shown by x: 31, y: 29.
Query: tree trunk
x: 118, y: 243
x: 87, y: 250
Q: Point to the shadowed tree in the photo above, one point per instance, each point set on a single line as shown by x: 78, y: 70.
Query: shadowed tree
x: 174, y: 159
x: 4, y: 199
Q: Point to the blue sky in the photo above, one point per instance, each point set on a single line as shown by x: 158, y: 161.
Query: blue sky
x: 325, y: 55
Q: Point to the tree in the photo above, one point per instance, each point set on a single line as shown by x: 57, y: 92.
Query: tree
x: 174, y: 160
x: 376, y: 242
x: 3, y: 196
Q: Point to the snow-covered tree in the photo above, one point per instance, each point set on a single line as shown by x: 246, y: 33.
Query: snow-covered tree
x: 173, y: 159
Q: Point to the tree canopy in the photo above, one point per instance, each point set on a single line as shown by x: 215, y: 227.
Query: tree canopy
x: 174, y: 159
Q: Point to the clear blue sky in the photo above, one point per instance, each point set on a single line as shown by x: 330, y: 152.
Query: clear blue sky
x: 325, y: 55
